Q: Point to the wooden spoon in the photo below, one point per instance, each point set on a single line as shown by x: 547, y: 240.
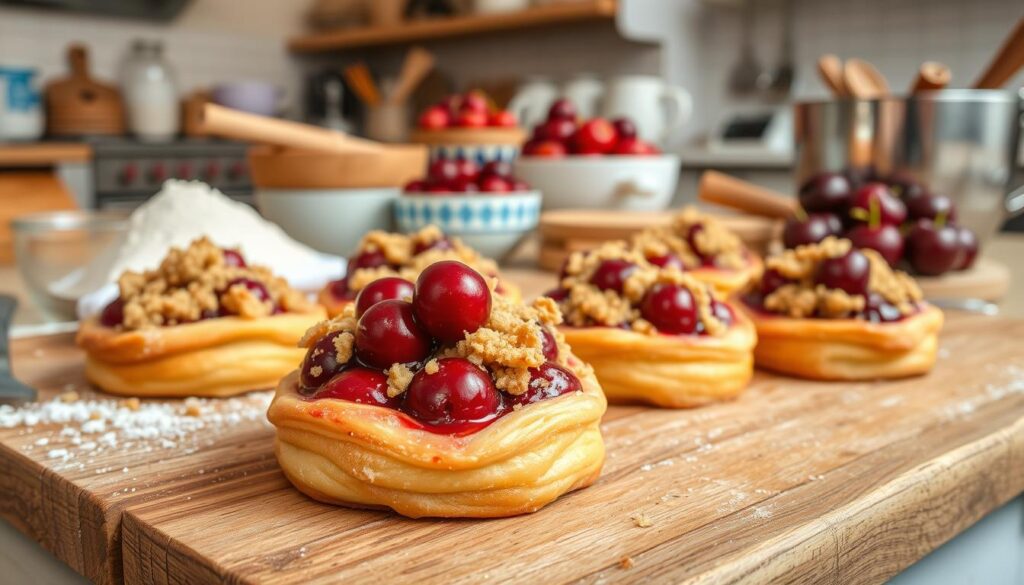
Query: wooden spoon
x: 731, y: 192
x: 831, y: 70
x: 931, y: 75
x: 863, y: 80
x: 1006, y: 62
x: 418, y: 63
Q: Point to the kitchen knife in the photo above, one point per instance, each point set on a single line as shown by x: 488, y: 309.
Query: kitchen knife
x: 11, y: 390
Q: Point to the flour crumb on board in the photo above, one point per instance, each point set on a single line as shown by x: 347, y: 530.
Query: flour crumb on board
x: 626, y: 562
x: 641, y: 520
x: 762, y: 512
x: 92, y: 424
x: 663, y: 463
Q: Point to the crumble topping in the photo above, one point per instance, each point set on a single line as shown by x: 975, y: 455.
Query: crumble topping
x: 804, y: 298
x: 399, y: 250
x: 587, y: 305
x: 193, y: 283
x: 709, y: 239
x: 507, y: 346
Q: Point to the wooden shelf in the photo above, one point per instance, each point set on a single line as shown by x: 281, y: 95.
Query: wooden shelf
x: 458, y: 26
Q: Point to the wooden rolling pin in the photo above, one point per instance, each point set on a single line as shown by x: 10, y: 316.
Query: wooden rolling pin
x: 1006, y: 62
x: 737, y: 194
x: 931, y: 75
x: 228, y: 123
x: 831, y: 70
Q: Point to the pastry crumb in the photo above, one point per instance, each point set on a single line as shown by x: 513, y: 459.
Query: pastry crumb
x: 69, y: 397
x: 132, y: 403
x: 626, y: 562
x: 193, y: 407
x: 399, y: 378
x: 641, y: 520
x: 431, y: 367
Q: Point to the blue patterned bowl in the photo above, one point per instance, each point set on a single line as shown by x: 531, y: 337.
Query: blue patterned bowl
x: 491, y: 224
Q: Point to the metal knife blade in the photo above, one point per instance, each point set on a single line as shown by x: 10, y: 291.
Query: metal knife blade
x: 11, y: 390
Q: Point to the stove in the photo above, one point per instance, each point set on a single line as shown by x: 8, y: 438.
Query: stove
x: 126, y: 172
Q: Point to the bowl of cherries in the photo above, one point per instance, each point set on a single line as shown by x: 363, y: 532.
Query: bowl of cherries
x: 905, y: 223
x: 484, y: 205
x: 468, y: 127
x: 596, y: 163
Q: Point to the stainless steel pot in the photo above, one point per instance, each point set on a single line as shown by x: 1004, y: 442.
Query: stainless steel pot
x: 959, y: 142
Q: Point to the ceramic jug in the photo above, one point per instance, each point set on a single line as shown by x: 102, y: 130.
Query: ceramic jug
x: 658, y: 109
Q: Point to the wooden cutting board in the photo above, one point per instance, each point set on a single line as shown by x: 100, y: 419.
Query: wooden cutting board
x: 796, y: 481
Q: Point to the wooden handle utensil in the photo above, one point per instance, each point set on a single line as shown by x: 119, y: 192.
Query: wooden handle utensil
x: 731, y: 192
x: 863, y: 80
x: 359, y: 79
x: 1006, y: 62
x: 931, y: 75
x: 220, y: 121
x: 831, y: 70
x: 416, y: 66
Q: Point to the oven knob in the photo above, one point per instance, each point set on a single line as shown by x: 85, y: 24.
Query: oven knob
x: 157, y: 173
x: 212, y: 170
x: 184, y: 171
x: 129, y: 172
x: 237, y: 170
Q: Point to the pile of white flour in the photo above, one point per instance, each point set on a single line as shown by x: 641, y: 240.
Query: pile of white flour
x: 181, y: 212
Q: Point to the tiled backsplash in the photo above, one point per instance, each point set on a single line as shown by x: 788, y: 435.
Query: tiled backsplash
x: 210, y: 42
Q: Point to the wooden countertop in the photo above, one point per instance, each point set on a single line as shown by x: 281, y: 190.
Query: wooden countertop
x: 43, y: 154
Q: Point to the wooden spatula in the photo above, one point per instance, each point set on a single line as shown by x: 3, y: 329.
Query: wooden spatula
x: 831, y: 70
x: 863, y: 80
x: 1006, y: 62
x: 418, y: 63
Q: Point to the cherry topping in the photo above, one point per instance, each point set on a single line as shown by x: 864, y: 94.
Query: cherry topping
x: 670, y: 308
x: 815, y: 228
x: 548, y: 343
x: 848, y: 272
x: 368, y: 259
x: 257, y: 288
x: 358, y: 384
x: 879, y: 310
x: 557, y: 294
x: 884, y: 239
x: 339, y: 288
x: 772, y: 281
x: 691, y: 238
x: 321, y: 362
x: 611, y: 274
x: 825, y: 192
x: 932, y: 248
x: 382, y: 289
x: 458, y: 392
x: 451, y: 299
x: 113, y: 313
x: 667, y: 261
x: 388, y: 334
x: 722, y: 312
x: 548, y: 381
x: 234, y: 259
x: 439, y: 244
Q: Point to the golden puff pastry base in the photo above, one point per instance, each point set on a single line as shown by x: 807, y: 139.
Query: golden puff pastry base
x: 672, y: 371
x: 364, y: 456
x: 847, y: 349
x: 216, y: 357
x: 725, y: 283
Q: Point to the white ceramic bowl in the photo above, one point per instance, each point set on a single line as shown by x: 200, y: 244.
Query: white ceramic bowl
x: 490, y: 224
x: 637, y: 183
x: 330, y: 220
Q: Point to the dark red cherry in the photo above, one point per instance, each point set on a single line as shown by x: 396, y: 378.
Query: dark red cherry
x: 358, y: 384
x: 367, y: 259
x: 879, y: 310
x: 339, y: 288
x: 811, y: 230
x: 772, y: 281
x: 113, y: 313
x: 968, y: 245
x: 931, y: 206
x: 387, y: 334
x: 722, y: 312
x: 884, y: 239
x: 557, y: 294
x: 458, y: 392
x: 548, y: 343
x: 905, y: 186
x: 438, y: 244
x: 321, y: 362
x: 670, y: 308
x: 257, y: 288
x: 382, y: 289
x: 876, y: 198
x: 848, y: 272
x: 624, y: 128
x: 234, y: 259
x: 443, y: 169
x: 497, y: 168
x: 933, y: 249
x: 548, y: 381
x: 612, y: 274
x: 451, y: 299
x: 562, y: 109
x: 825, y: 192
x: 667, y: 261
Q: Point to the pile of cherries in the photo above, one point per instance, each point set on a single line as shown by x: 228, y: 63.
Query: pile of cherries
x: 562, y: 134
x: 113, y: 314
x: 850, y: 272
x: 449, y: 300
x: 468, y: 110
x: 671, y: 308
x: 465, y: 176
x: 899, y: 219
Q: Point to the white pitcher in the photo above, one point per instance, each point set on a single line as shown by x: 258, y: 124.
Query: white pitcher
x: 585, y: 91
x: 658, y: 109
x: 532, y: 100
